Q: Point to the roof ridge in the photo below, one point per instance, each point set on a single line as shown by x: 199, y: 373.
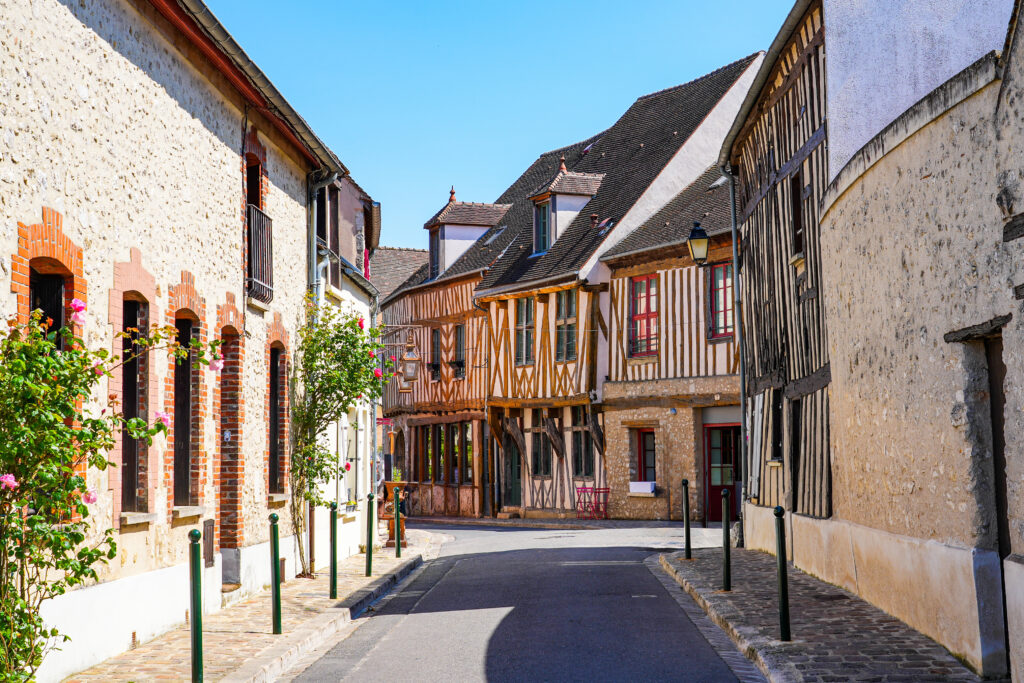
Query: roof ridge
x: 481, y: 204
x: 749, y: 57
x: 569, y: 146
x: 384, y: 246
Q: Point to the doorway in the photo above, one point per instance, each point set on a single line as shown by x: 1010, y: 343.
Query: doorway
x: 721, y: 450
x: 512, y: 494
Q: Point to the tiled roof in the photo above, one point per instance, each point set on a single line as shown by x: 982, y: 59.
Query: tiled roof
x: 495, y: 241
x: 570, y: 182
x: 391, y: 266
x: 631, y: 154
x: 468, y: 213
x: 705, y: 200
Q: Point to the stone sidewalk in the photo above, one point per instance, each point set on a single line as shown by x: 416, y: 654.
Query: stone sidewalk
x: 836, y: 635
x: 237, y: 641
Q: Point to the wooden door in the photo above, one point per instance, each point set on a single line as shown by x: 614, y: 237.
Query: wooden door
x: 721, y: 460
x: 513, y: 492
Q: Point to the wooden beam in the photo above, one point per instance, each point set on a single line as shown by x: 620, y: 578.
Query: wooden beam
x: 555, y: 436
x: 446, y: 418
x: 989, y: 328
x: 819, y: 379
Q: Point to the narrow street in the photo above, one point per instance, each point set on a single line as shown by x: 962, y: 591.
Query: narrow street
x: 518, y: 604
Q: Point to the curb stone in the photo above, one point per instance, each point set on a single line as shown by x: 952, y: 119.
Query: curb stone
x: 754, y: 646
x: 274, y: 661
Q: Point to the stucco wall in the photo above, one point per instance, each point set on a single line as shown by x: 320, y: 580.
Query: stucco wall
x: 885, y: 55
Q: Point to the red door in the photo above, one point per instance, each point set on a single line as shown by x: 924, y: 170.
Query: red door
x: 721, y: 450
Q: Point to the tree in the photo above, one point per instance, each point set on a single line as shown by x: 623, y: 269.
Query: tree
x: 52, y: 431
x: 339, y: 363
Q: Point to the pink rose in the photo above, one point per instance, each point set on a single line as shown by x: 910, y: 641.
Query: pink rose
x: 78, y: 318
x: 348, y: 466
x: 362, y: 324
x: 7, y: 481
x: 217, y: 364
x: 392, y: 358
x: 163, y: 418
x: 372, y: 354
x: 77, y: 305
x: 377, y: 373
x: 89, y: 496
x: 97, y: 367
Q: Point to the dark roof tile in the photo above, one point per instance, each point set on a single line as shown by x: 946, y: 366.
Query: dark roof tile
x: 392, y: 266
x: 468, y: 213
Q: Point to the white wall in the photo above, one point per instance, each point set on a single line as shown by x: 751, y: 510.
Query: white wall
x: 567, y: 207
x: 885, y: 55
x: 455, y: 240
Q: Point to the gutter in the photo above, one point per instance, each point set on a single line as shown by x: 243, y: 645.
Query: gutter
x: 272, y: 98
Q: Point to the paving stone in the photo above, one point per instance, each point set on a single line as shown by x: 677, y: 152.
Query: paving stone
x: 836, y: 635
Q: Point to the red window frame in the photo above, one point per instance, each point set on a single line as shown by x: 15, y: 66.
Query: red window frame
x: 725, y: 309
x: 641, y: 462
x: 643, y: 316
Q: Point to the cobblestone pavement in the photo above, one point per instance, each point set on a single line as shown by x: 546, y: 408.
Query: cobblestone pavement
x: 239, y: 634
x: 836, y: 635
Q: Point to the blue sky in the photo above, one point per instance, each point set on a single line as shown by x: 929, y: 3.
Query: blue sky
x: 415, y: 97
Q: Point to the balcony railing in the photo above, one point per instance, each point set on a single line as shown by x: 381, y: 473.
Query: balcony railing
x: 259, y: 281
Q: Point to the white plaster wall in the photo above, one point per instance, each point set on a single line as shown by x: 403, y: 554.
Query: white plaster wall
x: 691, y: 160
x: 567, y: 207
x: 455, y: 240
x: 885, y: 55
x: 1013, y: 576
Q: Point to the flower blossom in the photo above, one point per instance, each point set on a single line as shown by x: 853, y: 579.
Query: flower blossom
x: 97, y: 367
x: 362, y: 324
x: 78, y: 318
x: 377, y: 373
x: 89, y: 496
x: 7, y: 481
x: 372, y: 354
x: 392, y: 358
x: 348, y: 466
x: 163, y: 418
x: 217, y: 364
x: 77, y: 305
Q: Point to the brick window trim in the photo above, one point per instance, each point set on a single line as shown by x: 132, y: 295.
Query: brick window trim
x: 277, y: 337
x: 132, y: 278
x: 184, y: 301
x: 229, y: 532
x: 252, y: 147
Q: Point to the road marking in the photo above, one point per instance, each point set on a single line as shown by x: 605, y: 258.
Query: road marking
x: 645, y: 596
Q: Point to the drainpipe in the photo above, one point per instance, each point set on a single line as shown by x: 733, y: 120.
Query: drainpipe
x: 374, y: 310
x: 738, y: 324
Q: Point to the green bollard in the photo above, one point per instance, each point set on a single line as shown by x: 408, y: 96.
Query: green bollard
x: 780, y: 557
x: 726, y: 549
x: 334, y: 551
x: 369, y: 534
x: 686, y: 517
x: 398, y: 522
x: 275, y: 573
x: 196, y: 612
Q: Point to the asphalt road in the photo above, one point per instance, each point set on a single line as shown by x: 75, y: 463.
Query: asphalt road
x: 513, y: 604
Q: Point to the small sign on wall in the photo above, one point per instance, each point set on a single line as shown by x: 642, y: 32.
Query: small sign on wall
x: 208, y: 543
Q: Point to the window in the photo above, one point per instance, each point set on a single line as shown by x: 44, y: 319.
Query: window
x: 276, y: 435
x: 183, y: 403
x: 524, y: 331
x: 565, y: 325
x: 721, y: 301
x: 776, y: 424
x: 46, y: 294
x: 794, y: 434
x: 259, y: 282
x: 541, y: 228
x: 435, y: 354
x: 796, y: 199
x: 459, y: 364
x: 467, y: 452
x: 321, y: 216
x: 643, y: 316
x: 582, y: 446
x: 253, y: 176
x: 435, y: 253
x: 541, y: 447
x: 439, y: 453
x: 133, y: 404
x: 454, y: 451
x: 334, y: 234
x: 428, y: 454
x: 645, y: 455
x: 722, y: 452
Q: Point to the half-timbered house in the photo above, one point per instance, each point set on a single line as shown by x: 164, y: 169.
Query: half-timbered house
x: 438, y: 419
x: 548, y: 295
x: 671, y: 398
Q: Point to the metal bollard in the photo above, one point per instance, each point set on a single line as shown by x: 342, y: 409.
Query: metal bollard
x: 780, y: 557
x: 398, y: 522
x: 334, y: 551
x: 686, y: 517
x: 726, y: 547
x: 369, y: 534
x: 275, y: 573
x: 196, y: 615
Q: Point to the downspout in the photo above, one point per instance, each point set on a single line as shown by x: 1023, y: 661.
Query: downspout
x: 738, y: 323
x: 485, y: 437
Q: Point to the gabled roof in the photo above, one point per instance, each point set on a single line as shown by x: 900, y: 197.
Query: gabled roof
x: 631, y: 154
x: 391, y: 266
x: 468, y: 213
x: 570, y: 182
x: 493, y: 243
x: 705, y: 199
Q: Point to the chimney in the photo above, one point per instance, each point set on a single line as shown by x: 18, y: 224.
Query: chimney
x: 593, y: 220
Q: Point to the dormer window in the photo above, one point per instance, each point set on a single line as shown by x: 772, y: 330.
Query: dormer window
x: 435, y: 253
x: 541, y: 227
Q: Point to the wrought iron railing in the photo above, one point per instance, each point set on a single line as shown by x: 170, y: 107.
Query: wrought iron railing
x: 259, y: 281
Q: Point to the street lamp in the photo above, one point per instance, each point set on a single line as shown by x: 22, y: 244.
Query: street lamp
x: 697, y: 243
x: 410, y: 366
